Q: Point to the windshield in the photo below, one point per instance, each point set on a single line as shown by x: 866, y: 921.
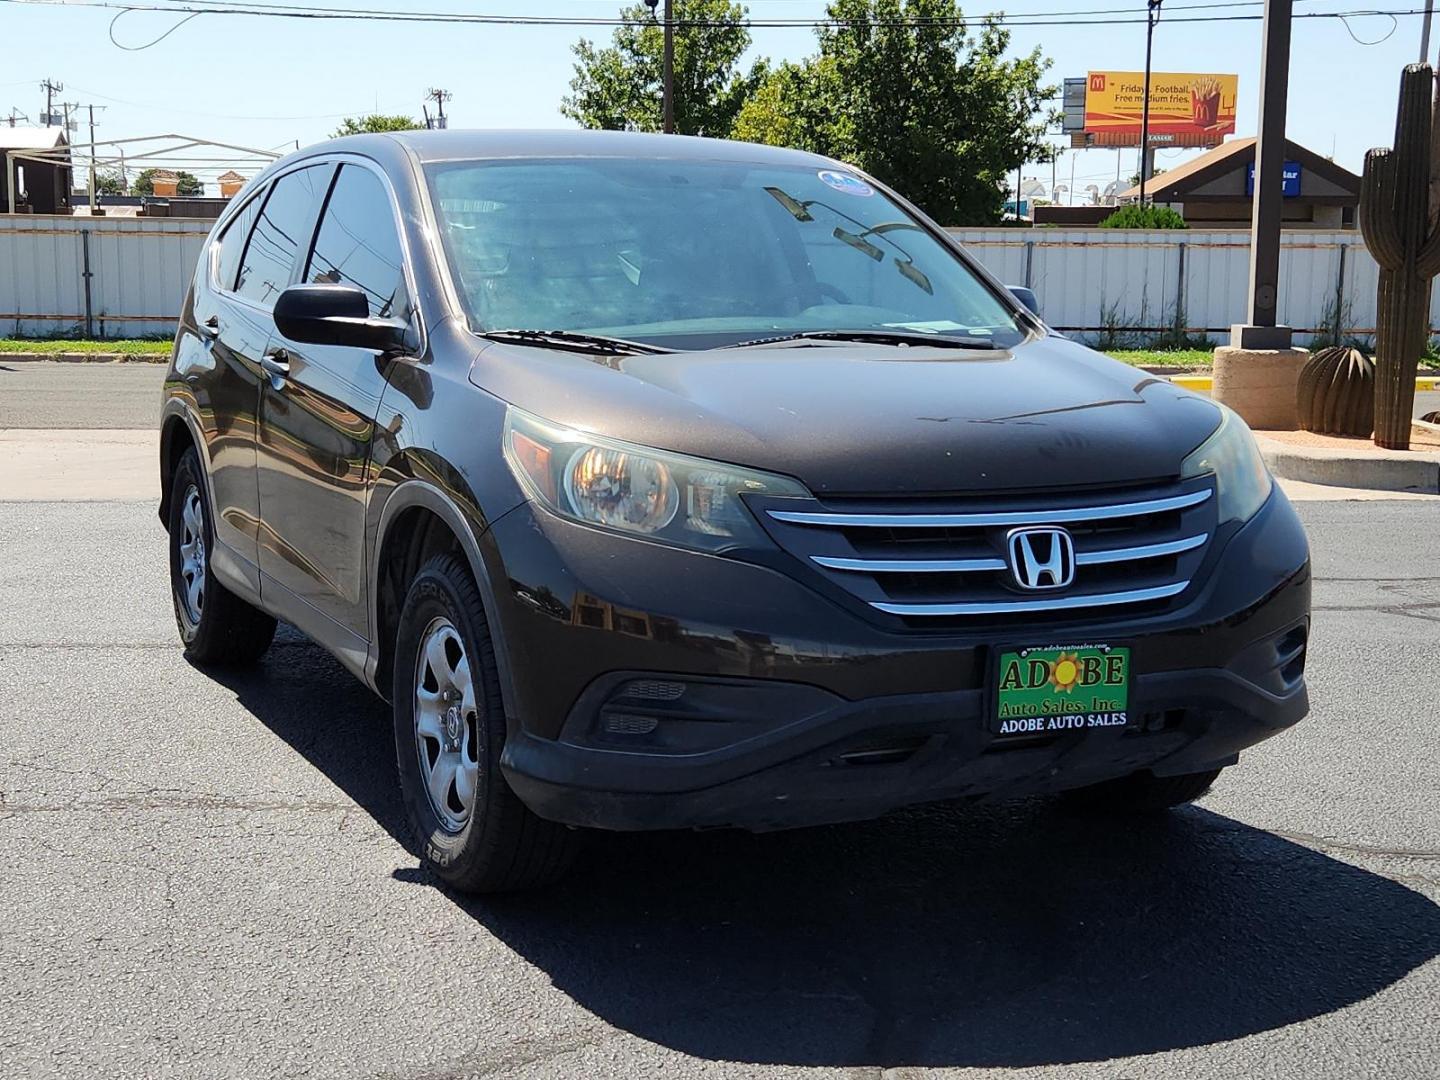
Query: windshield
x: 698, y: 254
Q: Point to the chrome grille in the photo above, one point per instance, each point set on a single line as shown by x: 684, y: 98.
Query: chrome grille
x: 928, y: 560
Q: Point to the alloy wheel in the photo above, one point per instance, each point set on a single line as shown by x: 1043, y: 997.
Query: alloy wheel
x: 446, y: 724
x: 192, y: 554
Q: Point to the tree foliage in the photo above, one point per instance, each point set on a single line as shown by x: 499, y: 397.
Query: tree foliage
x: 189, y: 183
x: 909, y: 92
x: 618, y: 87
x: 1149, y: 216
x: 109, y: 182
x: 360, y: 125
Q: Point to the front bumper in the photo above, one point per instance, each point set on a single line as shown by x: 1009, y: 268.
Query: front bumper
x: 793, y: 710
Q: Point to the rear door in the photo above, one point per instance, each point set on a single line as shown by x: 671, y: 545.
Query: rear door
x: 225, y: 382
x: 317, y: 420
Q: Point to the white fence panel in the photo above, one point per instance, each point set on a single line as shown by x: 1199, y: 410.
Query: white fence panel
x: 1085, y: 278
x: 1130, y: 281
x: 139, y: 269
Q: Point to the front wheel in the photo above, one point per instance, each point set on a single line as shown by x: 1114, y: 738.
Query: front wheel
x: 1143, y: 792
x: 474, y: 832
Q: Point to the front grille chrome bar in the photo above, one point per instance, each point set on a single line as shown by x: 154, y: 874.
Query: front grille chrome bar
x: 1141, y: 551
x: 1059, y: 516
x: 1053, y: 603
x: 911, y: 566
x: 974, y: 566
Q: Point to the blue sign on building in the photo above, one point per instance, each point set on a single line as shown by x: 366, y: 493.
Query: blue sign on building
x: 1291, y: 186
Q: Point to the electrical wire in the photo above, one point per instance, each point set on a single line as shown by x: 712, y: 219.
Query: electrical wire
x: 1090, y: 17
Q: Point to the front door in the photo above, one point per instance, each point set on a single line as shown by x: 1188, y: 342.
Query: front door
x: 317, y: 414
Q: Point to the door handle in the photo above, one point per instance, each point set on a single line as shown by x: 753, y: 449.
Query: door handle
x: 210, y: 329
x: 277, y: 366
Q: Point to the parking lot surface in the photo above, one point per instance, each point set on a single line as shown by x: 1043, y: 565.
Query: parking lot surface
x: 207, y: 874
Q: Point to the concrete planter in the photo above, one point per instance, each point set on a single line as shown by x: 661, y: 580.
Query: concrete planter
x: 1260, y: 384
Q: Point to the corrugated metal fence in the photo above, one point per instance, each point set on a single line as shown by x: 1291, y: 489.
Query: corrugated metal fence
x: 1139, y: 284
x: 118, y: 277
x: 97, y: 277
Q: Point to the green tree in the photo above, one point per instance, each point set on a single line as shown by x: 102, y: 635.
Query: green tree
x: 906, y: 90
x: 360, y: 125
x: 189, y: 183
x: 619, y: 87
x: 109, y: 182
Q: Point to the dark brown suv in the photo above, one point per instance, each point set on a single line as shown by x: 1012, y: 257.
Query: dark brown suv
x: 663, y: 482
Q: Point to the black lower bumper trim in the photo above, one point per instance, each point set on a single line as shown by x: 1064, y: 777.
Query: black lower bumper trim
x: 857, y: 760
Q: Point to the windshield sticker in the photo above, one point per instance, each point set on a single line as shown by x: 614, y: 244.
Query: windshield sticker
x: 850, y: 185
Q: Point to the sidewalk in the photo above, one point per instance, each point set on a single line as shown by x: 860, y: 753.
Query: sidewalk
x: 79, y: 466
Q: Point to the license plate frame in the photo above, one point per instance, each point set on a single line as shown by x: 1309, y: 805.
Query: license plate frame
x: 1039, y: 705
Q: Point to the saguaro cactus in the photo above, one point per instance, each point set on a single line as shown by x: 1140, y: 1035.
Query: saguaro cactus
x: 1395, y: 220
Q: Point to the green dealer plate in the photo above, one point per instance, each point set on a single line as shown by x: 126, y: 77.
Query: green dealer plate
x: 1058, y: 688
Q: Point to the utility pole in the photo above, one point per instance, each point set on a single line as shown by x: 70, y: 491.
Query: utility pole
x: 439, y: 97
x: 51, y: 89
x: 1152, y: 16
x: 1425, y: 32
x: 669, y: 69
x: 94, y: 198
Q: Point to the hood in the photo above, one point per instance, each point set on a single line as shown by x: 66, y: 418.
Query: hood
x: 867, y: 419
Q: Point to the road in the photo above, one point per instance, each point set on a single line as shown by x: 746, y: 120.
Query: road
x: 207, y: 874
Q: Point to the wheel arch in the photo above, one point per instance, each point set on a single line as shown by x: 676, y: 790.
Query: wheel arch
x: 417, y: 521
x: 178, y: 434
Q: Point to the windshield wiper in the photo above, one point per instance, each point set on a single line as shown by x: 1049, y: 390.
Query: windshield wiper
x: 877, y: 337
x: 574, y: 341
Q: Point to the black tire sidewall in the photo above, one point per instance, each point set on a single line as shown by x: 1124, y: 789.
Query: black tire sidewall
x: 431, y: 595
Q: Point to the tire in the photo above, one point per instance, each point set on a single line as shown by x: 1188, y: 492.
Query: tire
x: 449, y: 735
x: 1143, y: 792
x: 216, y: 626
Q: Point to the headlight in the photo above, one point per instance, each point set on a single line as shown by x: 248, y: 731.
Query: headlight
x: 636, y: 489
x: 1242, y: 482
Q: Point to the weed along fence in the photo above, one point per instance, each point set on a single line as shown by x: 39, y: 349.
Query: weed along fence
x: 95, y: 277
x: 1137, y: 288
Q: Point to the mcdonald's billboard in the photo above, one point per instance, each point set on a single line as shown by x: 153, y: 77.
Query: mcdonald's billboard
x: 1185, y: 109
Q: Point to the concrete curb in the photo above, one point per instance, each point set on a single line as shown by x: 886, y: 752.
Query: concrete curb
x: 1206, y: 382
x: 1382, y: 470
x: 85, y: 358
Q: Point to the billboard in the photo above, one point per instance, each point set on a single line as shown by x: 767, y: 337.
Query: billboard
x: 1186, y: 109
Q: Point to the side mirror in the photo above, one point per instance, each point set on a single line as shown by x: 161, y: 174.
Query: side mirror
x: 1026, y: 297
x: 335, y: 315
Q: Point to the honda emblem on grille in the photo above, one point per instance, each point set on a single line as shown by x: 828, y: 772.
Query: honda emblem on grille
x: 1041, y: 558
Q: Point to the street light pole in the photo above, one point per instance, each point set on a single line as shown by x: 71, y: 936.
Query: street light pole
x: 1152, y: 16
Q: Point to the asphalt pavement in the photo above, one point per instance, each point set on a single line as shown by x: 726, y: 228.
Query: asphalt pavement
x: 208, y: 874
x: 96, y: 396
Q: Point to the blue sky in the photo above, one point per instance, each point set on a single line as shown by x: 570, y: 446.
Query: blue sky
x: 268, y: 82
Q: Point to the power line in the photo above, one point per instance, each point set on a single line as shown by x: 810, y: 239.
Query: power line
x: 1092, y: 17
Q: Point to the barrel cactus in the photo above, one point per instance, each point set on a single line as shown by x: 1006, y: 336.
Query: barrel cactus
x: 1395, y: 220
x: 1336, y: 392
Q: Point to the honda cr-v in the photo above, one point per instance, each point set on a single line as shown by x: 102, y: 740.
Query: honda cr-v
x: 665, y: 482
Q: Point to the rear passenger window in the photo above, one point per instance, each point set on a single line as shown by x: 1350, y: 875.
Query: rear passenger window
x: 357, y: 243
x: 232, y: 242
x: 281, y: 233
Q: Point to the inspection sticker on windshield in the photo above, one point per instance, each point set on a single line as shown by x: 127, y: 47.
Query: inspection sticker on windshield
x: 850, y: 185
x: 1058, y: 688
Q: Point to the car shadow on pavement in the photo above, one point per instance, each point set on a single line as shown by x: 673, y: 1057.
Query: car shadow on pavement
x: 1005, y: 935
